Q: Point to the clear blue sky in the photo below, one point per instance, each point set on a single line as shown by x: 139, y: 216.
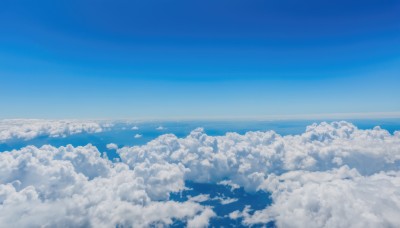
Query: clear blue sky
x: 208, y: 58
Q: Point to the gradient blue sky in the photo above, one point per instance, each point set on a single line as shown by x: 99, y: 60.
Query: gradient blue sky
x: 198, y: 59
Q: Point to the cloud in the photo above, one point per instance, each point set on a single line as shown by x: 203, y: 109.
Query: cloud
x: 199, y: 198
x: 27, y: 129
x: 202, y: 219
x: 75, y: 187
x: 228, y: 200
x: 229, y: 183
x: 137, y: 136
x: 112, y: 146
x: 135, y: 128
x: 248, y: 159
x: 338, y: 198
x: 332, y: 175
x: 338, y: 159
x: 160, y: 128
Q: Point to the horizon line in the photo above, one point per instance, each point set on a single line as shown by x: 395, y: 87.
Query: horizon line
x: 323, y: 116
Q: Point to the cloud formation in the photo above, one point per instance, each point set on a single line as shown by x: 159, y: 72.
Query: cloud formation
x: 248, y: 159
x: 337, y: 198
x: 75, y: 187
x: 336, y: 158
x: 332, y: 175
x: 112, y: 146
x: 27, y: 129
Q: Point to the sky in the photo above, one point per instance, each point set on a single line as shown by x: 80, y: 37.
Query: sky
x: 198, y: 59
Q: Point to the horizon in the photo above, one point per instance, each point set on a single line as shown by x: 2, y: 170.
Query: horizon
x: 316, y: 117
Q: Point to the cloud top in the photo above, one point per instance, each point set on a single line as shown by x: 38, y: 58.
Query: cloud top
x: 306, y: 173
x: 248, y: 159
x: 75, y: 187
x: 332, y: 175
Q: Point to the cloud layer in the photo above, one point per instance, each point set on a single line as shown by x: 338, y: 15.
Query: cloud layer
x: 26, y: 129
x: 337, y: 198
x: 75, y: 187
x: 332, y: 175
x: 336, y: 159
x: 248, y: 159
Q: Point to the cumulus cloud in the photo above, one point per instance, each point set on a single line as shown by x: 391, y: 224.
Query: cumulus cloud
x: 332, y: 175
x: 248, y: 159
x: 338, y: 158
x: 30, y: 128
x: 202, y: 219
x: 338, y: 198
x: 112, y: 146
x: 135, y: 128
x: 75, y: 187
x: 137, y: 136
x: 229, y: 183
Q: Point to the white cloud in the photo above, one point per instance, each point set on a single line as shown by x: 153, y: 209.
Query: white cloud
x: 160, y: 128
x: 229, y: 183
x: 135, y: 128
x: 224, y: 200
x: 248, y: 159
x: 112, y: 146
x: 338, y: 198
x: 76, y: 187
x: 137, y: 136
x: 228, y: 200
x: 241, y: 214
x: 332, y: 175
x: 323, y: 152
x: 202, y: 219
x: 199, y: 198
x: 30, y: 128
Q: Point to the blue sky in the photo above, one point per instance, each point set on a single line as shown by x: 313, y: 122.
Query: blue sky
x: 198, y: 59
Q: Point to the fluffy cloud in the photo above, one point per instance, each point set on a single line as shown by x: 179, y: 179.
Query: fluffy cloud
x: 76, y: 187
x: 248, y: 159
x: 338, y: 198
x: 112, y: 146
x: 202, y: 219
x: 332, y: 175
x: 319, y: 178
x: 30, y: 128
